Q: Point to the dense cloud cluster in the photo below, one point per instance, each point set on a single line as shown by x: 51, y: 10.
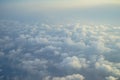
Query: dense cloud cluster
x: 59, y: 51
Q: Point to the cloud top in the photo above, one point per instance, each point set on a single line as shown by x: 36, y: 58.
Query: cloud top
x: 59, y: 51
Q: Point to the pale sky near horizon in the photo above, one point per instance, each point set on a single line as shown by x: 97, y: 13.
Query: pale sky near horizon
x: 48, y: 4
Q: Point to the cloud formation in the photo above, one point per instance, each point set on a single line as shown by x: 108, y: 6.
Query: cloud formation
x: 59, y: 51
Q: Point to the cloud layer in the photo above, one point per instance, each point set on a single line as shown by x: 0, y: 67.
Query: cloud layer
x: 59, y: 51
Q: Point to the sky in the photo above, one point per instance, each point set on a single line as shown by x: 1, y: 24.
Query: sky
x: 59, y: 40
x: 47, y: 4
x: 84, y: 10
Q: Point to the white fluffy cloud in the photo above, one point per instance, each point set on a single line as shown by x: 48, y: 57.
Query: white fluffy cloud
x: 60, y: 52
x: 73, y: 62
x: 111, y: 78
x: 70, y: 77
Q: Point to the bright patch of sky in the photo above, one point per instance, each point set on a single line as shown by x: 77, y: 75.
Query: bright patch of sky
x: 93, y: 10
x: 59, y: 3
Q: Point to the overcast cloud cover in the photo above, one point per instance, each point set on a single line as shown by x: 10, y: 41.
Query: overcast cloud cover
x: 62, y: 45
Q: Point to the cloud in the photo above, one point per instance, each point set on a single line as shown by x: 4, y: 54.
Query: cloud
x: 70, y: 77
x: 67, y: 52
x: 111, y: 78
x: 73, y: 62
